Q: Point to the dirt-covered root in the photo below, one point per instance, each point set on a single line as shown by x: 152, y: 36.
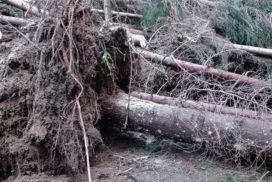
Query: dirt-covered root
x: 49, y: 93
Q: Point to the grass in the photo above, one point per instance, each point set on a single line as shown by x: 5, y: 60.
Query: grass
x: 161, y: 8
x: 245, y: 22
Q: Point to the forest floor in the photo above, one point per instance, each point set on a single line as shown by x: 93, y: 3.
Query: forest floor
x: 123, y: 161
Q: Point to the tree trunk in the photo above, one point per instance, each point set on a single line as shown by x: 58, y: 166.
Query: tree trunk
x: 209, y: 130
x: 253, y: 50
x: 195, y: 68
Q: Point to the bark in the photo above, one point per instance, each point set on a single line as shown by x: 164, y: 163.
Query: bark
x: 107, y: 11
x: 202, y: 106
x: 195, y: 68
x: 21, y: 4
x: 253, y: 50
x: 230, y: 133
x: 14, y: 20
x: 131, y: 15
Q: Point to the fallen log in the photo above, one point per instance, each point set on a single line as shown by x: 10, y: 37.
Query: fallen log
x: 202, y: 106
x: 195, y: 68
x: 209, y: 130
x: 253, y: 50
x: 14, y: 20
x: 116, y: 13
x: 21, y: 4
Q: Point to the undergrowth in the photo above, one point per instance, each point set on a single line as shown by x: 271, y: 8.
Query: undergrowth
x: 13, y: 11
x: 245, y: 22
x: 159, y: 9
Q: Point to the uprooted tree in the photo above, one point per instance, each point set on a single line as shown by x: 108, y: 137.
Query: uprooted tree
x: 57, y: 74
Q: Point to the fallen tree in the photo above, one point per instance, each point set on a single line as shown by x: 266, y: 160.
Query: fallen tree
x: 220, y: 132
x: 201, y: 106
x: 253, y: 50
x: 192, y: 68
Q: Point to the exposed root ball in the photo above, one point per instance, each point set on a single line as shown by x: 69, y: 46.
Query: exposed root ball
x: 40, y: 125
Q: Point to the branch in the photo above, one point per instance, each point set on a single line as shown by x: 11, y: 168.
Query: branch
x: 14, y: 20
x: 192, y: 68
x: 201, y: 106
x: 132, y: 15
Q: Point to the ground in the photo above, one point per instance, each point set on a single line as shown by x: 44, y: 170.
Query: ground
x: 126, y: 162
x: 123, y: 162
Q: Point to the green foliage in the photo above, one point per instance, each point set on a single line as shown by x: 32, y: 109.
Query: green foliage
x: 245, y: 22
x: 151, y: 14
x: 12, y: 10
x: 161, y: 8
x: 106, y: 58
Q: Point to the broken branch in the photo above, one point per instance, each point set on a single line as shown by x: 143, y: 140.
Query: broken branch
x: 132, y: 15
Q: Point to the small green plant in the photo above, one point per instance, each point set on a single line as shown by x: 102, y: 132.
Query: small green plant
x: 106, y: 61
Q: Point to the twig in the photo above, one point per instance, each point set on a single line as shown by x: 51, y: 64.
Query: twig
x: 262, y: 177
